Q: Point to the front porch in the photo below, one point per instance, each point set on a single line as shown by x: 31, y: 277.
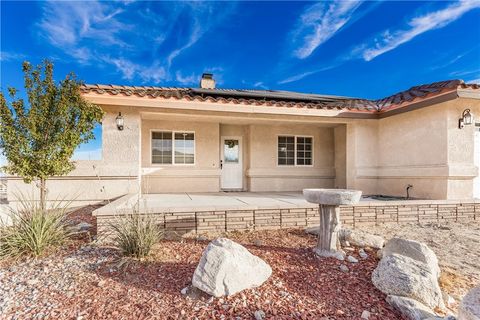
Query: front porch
x: 238, y: 211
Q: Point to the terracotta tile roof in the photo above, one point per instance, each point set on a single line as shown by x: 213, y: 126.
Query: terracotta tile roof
x: 285, y: 99
x: 421, y: 92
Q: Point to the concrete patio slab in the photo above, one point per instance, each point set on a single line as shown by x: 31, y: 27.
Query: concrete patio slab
x: 196, y: 202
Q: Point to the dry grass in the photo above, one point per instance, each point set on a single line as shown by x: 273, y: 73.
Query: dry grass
x: 135, y: 235
x: 33, y: 230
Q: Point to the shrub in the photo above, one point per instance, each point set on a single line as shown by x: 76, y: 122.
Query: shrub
x: 135, y: 235
x: 32, y: 230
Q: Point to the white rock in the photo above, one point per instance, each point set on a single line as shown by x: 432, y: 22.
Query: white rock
x: 448, y: 299
x: 184, y: 291
x: 259, y: 315
x: 82, y: 227
x: 410, y: 308
x: 361, y: 239
x: 227, y: 267
x: 69, y: 260
x: 365, y: 314
x: 469, y: 308
x: 339, y: 255
x: 403, y: 276
x: 362, y: 254
x: 202, y: 238
x: 344, y: 268
x: 413, y: 249
x: 352, y: 259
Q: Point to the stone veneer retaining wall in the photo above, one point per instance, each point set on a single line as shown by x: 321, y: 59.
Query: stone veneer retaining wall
x: 353, y: 216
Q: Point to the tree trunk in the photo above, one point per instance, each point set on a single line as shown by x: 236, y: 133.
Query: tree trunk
x: 328, y: 242
x: 43, y: 193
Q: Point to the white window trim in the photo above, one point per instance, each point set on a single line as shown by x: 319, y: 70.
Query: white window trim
x: 295, y: 151
x: 173, y: 148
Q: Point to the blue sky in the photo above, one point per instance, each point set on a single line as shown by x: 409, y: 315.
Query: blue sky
x: 362, y: 49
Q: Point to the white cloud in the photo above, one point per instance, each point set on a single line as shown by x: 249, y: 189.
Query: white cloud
x: 297, y: 77
x: 11, y: 56
x: 67, y: 23
x: 130, y: 70
x: 462, y: 73
x: 203, y: 16
x: 300, y: 76
x: 103, y: 33
x: 319, y: 23
x: 389, y: 40
x: 186, y: 80
x: 477, y: 81
x: 259, y: 84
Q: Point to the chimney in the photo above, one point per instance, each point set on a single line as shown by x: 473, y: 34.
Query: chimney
x: 207, y: 81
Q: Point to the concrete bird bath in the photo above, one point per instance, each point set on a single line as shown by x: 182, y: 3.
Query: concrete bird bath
x: 329, y: 201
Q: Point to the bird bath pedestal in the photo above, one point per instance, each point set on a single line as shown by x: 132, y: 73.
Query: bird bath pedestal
x: 329, y: 201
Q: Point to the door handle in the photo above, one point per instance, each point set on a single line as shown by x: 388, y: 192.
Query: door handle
x: 221, y: 164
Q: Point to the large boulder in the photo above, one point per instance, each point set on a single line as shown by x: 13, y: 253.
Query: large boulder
x: 227, y: 268
x: 403, y: 276
x: 361, y: 239
x: 469, y: 308
x: 410, y: 308
x: 413, y: 249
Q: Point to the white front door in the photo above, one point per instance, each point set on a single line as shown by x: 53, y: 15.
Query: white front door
x: 231, y: 163
x: 476, y: 180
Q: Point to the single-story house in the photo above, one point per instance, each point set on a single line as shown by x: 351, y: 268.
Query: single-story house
x: 207, y: 139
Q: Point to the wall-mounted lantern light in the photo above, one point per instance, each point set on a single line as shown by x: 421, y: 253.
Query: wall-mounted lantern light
x: 119, y: 121
x: 466, y: 119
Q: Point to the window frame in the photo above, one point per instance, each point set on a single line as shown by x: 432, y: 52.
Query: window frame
x: 173, y: 148
x: 295, y: 151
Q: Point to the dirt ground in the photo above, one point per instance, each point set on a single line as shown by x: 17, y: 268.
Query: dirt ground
x: 457, y: 246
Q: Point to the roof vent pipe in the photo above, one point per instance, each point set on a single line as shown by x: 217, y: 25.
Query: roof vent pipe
x: 207, y: 81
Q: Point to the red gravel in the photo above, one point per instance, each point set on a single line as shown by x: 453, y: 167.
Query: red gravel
x: 302, y: 286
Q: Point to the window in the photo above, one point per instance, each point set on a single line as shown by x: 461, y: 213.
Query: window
x: 295, y: 150
x: 179, y: 151
x: 230, y: 151
x: 286, y: 151
x: 304, y: 151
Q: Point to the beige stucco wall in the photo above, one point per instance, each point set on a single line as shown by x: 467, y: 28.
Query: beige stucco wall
x: 461, y: 149
x: 362, y: 155
x: 425, y: 148
x: 340, y: 145
x: 265, y: 175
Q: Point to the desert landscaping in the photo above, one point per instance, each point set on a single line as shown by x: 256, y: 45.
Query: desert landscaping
x: 88, y: 280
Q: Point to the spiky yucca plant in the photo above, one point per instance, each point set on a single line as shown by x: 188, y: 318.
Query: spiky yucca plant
x: 31, y: 229
x: 134, y: 234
